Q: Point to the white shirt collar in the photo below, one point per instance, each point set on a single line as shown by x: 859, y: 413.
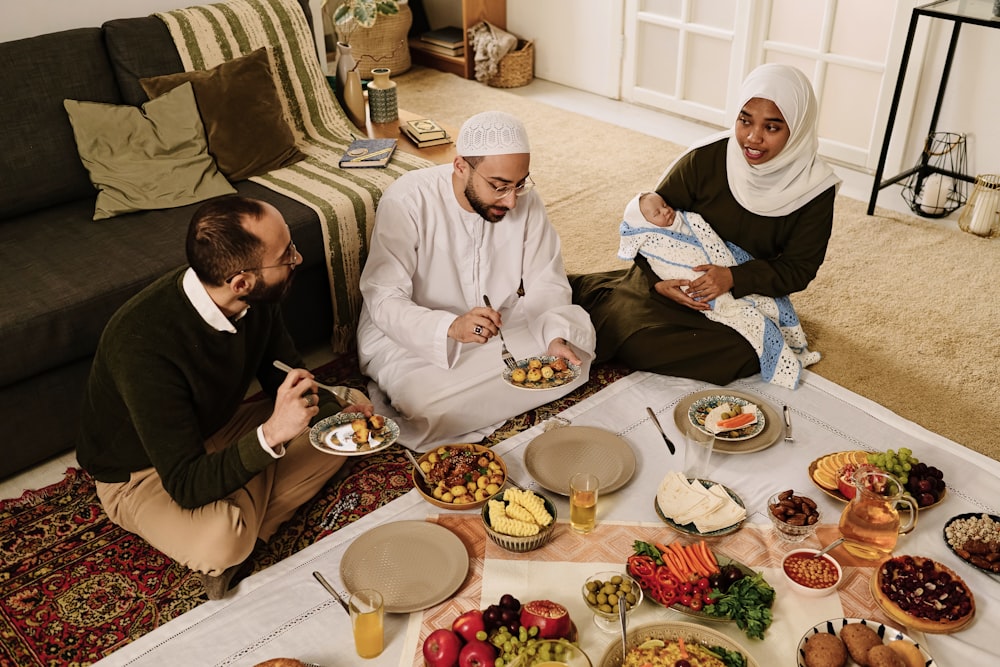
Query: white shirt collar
x: 207, y: 308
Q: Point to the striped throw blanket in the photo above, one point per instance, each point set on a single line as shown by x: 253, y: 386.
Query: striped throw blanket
x: 344, y: 199
x: 769, y: 324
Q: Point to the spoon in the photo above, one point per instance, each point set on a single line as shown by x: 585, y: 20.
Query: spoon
x: 623, y: 618
x: 416, y: 465
x: 830, y: 547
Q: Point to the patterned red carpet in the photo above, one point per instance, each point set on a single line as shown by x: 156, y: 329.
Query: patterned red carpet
x: 74, y: 587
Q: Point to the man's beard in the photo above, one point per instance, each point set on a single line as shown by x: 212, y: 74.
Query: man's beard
x: 483, y: 209
x: 262, y: 293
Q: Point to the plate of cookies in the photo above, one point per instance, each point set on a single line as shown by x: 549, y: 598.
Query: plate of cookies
x: 850, y: 642
x: 353, y: 434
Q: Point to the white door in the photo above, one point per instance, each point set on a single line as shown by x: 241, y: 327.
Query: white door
x: 689, y: 56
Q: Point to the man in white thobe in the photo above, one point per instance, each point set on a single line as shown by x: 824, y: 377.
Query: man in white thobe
x: 444, y: 238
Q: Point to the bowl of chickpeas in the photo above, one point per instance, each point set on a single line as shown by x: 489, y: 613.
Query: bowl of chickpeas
x: 460, y: 477
x: 604, y: 592
x: 809, y: 575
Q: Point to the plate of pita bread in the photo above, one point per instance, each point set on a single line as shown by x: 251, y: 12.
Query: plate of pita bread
x: 699, y: 507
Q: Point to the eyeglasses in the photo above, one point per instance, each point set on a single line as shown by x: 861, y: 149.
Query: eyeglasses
x: 502, y: 191
x: 291, y: 250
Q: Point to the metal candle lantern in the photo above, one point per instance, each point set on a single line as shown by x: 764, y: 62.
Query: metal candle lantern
x: 935, y: 188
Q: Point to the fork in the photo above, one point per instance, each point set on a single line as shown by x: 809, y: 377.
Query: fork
x: 508, y: 358
x: 343, y: 394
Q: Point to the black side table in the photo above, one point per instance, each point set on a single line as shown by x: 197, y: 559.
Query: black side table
x: 977, y: 12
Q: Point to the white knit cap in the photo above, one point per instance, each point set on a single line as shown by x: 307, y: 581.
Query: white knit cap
x: 492, y: 133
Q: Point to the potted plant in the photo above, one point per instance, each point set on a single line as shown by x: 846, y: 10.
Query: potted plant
x: 352, y: 14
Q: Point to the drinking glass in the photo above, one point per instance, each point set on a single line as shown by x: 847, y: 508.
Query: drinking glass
x: 698, y: 447
x: 366, y: 619
x: 583, y: 487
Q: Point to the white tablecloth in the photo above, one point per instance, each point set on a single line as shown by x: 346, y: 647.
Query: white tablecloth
x: 283, y: 611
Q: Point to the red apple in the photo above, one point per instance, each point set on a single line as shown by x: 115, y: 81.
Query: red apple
x: 551, y: 618
x: 441, y: 648
x: 468, y: 624
x: 477, y: 653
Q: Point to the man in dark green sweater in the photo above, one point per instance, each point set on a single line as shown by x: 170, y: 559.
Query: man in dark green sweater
x: 179, y: 458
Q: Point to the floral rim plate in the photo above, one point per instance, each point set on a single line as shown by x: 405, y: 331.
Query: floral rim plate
x: 835, y: 625
x: 701, y: 407
x: 837, y: 495
x: 334, y: 435
x: 967, y: 515
x: 670, y: 631
x: 689, y: 528
x: 559, y: 379
x: 774, y: 427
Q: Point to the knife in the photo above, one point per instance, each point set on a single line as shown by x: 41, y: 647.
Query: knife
x: 329, y: 589
x: 656, y: 422
x: 788, y: 423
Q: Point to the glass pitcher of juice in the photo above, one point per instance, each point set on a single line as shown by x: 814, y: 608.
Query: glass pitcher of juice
x: 870, y: 523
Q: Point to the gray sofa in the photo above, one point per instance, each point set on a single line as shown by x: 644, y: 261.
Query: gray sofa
x: 64, y: 274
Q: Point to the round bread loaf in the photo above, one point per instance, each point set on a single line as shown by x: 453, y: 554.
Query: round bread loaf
x: 883, y: 656
x: 859, y: 639
x: 281, y: 662
x: 825, y: 650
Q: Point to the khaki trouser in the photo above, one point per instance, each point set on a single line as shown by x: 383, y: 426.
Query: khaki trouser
x: 223, y: 533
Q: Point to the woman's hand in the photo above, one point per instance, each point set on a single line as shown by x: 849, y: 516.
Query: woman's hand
x: 560, y: 348
x: 716, y: 281
x: 677, y: 290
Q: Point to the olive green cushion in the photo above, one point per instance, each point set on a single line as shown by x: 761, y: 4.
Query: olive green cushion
x: 239, y: 104
x: 149, y: 158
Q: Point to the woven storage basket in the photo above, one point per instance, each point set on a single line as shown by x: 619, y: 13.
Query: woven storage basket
x: 384, y: 44
x: 517, y: 68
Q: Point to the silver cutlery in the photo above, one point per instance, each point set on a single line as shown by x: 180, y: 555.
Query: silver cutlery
x: 508, y: 358
x: 623, y: 618
x: 788, y: 423
x: 830, y: 547
x: 656, y: 423
x: 343, y: 394
x: 416, y: 466
x: 329, y: 589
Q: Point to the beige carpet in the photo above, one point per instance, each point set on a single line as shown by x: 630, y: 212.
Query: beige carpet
x: 903, y: 310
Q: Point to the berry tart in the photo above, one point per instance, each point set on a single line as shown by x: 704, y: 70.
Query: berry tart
x: 923, y: 594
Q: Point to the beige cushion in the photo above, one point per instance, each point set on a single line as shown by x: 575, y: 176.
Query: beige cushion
x: 239, y: 104
x: 149, y: 158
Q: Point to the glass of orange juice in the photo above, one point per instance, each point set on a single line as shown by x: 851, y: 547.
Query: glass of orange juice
x: 366, y: 619
x: 583, y: 487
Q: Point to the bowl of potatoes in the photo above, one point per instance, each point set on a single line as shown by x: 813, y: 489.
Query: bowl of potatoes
x: 459, y: 477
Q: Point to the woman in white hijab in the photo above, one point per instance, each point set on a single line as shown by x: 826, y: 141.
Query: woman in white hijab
x: 763, y: 189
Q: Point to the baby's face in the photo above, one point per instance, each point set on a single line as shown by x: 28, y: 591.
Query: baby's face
x: 656, y: 211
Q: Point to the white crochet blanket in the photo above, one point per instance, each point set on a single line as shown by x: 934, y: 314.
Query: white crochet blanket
x: 769, y: 324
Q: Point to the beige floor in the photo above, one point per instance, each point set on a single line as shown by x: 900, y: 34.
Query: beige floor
x: 856, y: 185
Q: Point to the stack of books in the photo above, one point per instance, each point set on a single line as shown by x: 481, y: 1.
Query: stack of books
x: 447, y: 41
x: 424, y: 132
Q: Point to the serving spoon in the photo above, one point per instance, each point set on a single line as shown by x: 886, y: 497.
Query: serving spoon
x: 830, y: 547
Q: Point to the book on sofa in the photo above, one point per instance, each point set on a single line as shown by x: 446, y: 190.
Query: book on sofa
x: 368, y: 153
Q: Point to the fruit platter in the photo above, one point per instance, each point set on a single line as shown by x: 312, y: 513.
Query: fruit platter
x: 696, y: 581
x: 499, y: 634
x: 834, y: 474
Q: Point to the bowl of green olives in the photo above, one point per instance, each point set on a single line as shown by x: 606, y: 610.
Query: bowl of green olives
x: 604, y: 592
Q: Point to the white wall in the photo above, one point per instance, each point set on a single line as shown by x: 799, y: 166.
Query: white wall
x: 27, y: 18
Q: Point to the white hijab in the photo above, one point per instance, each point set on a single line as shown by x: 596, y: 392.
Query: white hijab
x: 796, y: 175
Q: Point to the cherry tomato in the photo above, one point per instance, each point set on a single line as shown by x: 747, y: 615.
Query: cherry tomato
x: 696, y: 604
x: 686, y: 588
x: 686, y: 600
x: 702, y: 584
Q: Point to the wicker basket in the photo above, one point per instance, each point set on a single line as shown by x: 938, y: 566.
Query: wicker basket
x: 517, y: 68
x: 384, y: 44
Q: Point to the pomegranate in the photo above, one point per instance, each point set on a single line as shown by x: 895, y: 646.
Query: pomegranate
x: 551, y: 618
x: 845, y: 479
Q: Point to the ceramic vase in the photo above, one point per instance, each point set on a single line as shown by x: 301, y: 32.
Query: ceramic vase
x: 382, y: 103
x: 354, y: 99
x: 345, y: 63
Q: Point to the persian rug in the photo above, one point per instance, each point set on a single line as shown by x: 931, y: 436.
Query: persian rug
x: 74, y: 587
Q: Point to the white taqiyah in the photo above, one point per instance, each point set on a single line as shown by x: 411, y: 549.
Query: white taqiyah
x: 492, y: 133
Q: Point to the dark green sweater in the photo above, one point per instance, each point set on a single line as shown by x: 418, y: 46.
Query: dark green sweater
x: 163, y: 381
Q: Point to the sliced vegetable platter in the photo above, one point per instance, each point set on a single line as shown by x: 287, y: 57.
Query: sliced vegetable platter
x: 696, y: 581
